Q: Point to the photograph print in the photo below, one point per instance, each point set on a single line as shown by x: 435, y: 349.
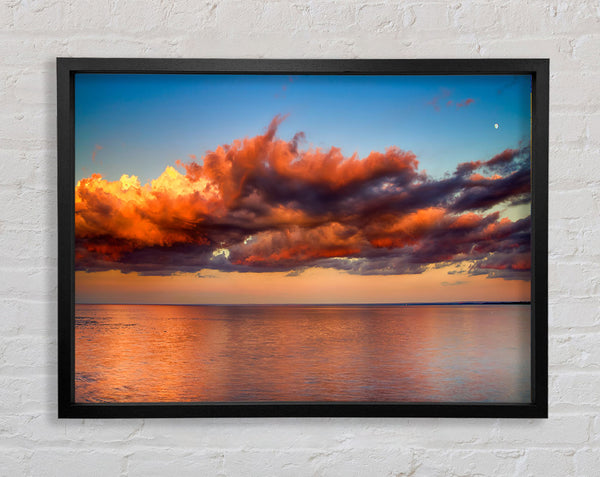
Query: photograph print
x: 302, y: 238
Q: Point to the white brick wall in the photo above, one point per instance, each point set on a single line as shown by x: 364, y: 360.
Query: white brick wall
x: 33, y: 33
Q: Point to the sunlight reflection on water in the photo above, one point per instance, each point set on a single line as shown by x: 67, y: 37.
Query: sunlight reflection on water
x: 433, y: 353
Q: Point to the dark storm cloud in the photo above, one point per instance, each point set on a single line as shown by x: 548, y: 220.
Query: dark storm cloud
x: 262, y: 205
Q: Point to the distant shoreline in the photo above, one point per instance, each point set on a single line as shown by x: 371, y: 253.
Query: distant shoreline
x: 451, y: 303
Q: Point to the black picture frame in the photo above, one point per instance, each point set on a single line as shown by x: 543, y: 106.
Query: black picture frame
x: 68, y: 67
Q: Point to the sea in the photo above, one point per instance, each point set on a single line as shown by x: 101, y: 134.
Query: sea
x: 415, y: 353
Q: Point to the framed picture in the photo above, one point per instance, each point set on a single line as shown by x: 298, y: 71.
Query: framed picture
x: 302, y: 237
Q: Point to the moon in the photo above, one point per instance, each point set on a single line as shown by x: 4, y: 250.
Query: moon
x: 496, y: 126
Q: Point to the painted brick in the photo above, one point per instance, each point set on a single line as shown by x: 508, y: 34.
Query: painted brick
x: 576, y: 278
x: 483, y: 15
x: 557, y: 48
x: 432, y: 15
x: 31, y: 169
x: 467, y: 462
x: 576, y: 388
x: 23, y: 395
x: 162, y: 461
x: 575, y: 165
x: 593, y: 131
x: 120, y: 47
x: 28, y: 317
x: 380, y: 17
x: 33, y: 352
x: 333, y: 16
x: 572, y: 313
x: 36, y: 87
x: 562, y: 91
x: 64, y: 463
x: 585, y: 49
x: 43, y: 15
x: 587, y: 461
x: 34, y: 33
x: 595, y: 431
x: 568, y: 430
x: 575, y: 350
x: 561, y: 204
x: 567, y: 128
x: 88, y: 15
x: 15, y: 462
x: 548, y: 462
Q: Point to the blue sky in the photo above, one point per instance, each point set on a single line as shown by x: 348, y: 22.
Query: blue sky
x: 144, y: 123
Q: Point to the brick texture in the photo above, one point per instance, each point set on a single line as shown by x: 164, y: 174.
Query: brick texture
x: 34, y: 442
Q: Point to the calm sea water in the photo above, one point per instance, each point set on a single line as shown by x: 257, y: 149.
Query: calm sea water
x: 438, y: 353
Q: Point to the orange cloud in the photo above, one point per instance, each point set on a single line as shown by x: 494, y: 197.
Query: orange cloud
x: 96, y: 149
x: 261, y: 204
x: 465, y: 103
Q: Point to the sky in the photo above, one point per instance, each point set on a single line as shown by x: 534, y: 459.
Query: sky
x: 302, y: 189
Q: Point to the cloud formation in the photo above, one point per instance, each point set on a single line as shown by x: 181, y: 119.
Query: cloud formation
x: 444, y: 97
x: 96, y: 149
x: 263, y: 204
x: 465, y: 103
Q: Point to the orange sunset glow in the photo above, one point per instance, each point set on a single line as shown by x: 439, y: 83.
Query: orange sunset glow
x: 257, y: 238
x: 314, y: 286
x: 279, y: 225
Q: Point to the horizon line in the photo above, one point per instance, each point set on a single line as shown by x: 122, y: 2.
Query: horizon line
x: 327, y: 304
